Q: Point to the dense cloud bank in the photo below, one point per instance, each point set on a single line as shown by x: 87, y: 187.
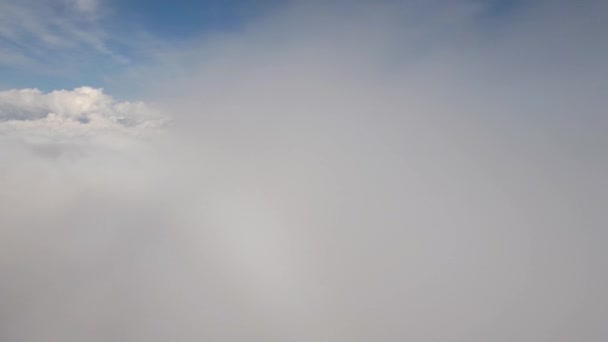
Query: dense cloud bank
x: 67, y: 121
x: 329, y: 175
x: 86, y: 106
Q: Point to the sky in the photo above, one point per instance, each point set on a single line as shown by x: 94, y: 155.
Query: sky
x: 425, y: 170
x: 65, y: 44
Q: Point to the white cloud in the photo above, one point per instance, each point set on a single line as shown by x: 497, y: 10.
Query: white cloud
x: 65, y: 115
x: 368, y: 177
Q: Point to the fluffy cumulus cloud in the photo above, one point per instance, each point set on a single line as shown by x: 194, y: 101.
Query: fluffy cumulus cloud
x: 382, y: 172
x: 89, y: 107
x: 84, y: 113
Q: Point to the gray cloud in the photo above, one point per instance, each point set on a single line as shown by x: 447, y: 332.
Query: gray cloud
x: 359, y: 174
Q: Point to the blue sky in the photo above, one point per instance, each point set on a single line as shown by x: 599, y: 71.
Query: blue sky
x: 69, y: 43
x: 185, y: 19
x: 63, y: 44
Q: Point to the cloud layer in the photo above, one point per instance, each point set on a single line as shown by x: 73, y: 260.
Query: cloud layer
x: 329, y: 175
x: 79, y: 115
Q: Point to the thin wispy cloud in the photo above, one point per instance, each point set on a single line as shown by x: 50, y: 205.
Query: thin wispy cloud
x: 37, y: 31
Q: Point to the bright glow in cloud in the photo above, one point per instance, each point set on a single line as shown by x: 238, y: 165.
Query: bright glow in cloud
x: 381, y: 173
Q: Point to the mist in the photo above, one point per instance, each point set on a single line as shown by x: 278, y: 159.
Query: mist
x: 372, y: 172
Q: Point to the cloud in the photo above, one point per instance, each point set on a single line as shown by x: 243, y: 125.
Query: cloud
x: 77, y: 118
x: 45, y: 32
x: 85, y: 6
x: 81, y: 104
x: 375, y: 173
